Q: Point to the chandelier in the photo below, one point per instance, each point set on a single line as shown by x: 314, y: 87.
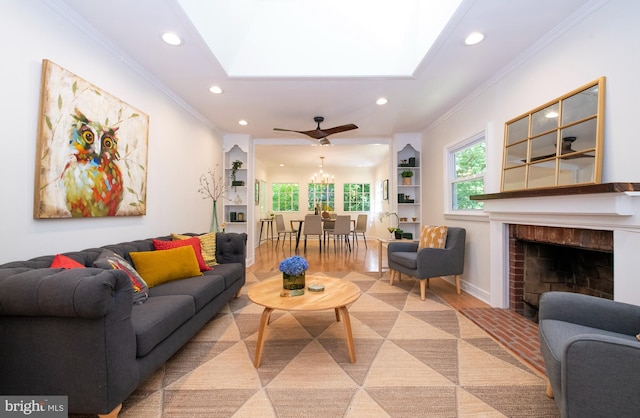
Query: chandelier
x: 322, y: 177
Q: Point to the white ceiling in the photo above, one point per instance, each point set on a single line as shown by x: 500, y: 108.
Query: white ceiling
x: 448, y: 73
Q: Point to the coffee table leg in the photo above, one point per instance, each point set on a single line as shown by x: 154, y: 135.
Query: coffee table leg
x: 337, y: 314
x: 347, y: 328
x: 266, y: 314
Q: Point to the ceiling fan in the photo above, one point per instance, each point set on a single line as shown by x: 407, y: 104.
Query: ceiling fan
x: 567, y: 141
x: 322, y: 134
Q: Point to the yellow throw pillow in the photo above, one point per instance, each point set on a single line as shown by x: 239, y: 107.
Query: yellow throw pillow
x: 208, y: 244
x: 433, y: 237
x: 161, y: 266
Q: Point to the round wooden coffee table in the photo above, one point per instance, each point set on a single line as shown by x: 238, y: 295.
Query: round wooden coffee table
x: 337, y: 295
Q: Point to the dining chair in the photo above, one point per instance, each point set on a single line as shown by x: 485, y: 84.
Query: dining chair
x: 313, y: 226
x: 327, y: 227
x: 341, y: 230
x: 360, y: 228
x: 281, y: 229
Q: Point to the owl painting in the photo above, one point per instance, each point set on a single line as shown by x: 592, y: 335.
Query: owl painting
x: 92, y: 151
x: 92, y: 179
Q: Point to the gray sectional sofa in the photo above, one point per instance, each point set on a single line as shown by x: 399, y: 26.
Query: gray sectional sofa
x: 77, y: 332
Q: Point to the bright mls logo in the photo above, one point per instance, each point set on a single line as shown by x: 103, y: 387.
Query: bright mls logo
x: 34, y: 406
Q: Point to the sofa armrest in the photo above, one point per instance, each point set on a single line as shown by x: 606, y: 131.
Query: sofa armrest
x: 84, y: 293
x: 68, y: 332
x: 590, y: 311
x: 601, y: 376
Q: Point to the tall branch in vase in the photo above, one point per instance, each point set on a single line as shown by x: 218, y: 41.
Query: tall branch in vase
x: 212, y: 187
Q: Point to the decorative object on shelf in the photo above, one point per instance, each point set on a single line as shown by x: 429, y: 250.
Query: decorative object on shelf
x: 222, y: 225
x: 406, y: 177
x: 240, y: 217
x: 293, y: 275
x: 322, y: 177
x: 235, y: 166
x: 398, y: 233
x: 212, y: 187
x: 385, y: 189
x: 237, y: 200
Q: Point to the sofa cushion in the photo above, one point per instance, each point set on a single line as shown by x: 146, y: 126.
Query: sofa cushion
x: 158, y: 318
x: 62, y: 261
x: 208, y: 244
x: 110, y: 260
x: 193, y: 242
x: 202, y: 289
x: 230, y: 271
x: 161, y: 266
x: 433, y: 237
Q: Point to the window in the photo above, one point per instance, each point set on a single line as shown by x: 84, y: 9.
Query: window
x: 285, y: 197
x: 322, y: 195
x: 357, y: 197
x: 467, y: 166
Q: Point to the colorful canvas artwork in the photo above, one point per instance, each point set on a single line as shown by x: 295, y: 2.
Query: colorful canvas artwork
x: 91, y: 153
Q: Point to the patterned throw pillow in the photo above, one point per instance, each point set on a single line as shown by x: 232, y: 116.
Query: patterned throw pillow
x: 62, y: 261
x: 433, y: 237
x: 110, y: 260
x: 208, y: 243
x: 193, y: 242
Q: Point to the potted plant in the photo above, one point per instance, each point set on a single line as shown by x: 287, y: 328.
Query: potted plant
x: 406, y: 177
x: 237, y: 164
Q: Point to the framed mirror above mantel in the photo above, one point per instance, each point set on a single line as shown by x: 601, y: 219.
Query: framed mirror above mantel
x: 558, y: 144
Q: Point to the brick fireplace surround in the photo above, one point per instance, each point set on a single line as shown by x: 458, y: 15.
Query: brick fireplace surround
x: 610, y: 213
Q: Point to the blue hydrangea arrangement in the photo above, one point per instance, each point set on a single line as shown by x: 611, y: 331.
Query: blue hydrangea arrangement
x: 294, y: 266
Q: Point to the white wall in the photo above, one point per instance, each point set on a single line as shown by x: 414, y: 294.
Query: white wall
x: 604, y: 43
x: 177, y: 140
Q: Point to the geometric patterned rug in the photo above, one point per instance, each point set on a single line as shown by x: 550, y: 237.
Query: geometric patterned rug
x: 414, y: 359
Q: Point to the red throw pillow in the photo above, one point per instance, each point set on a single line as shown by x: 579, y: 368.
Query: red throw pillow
x: 193, y: 242
x: 62, y: 261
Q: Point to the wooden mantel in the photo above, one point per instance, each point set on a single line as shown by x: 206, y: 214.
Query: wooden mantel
x: 562, y: 191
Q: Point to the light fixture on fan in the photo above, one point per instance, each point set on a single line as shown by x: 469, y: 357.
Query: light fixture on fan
x: 322, y: 177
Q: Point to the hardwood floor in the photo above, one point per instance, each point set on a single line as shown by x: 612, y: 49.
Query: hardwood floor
x: 360, y: 259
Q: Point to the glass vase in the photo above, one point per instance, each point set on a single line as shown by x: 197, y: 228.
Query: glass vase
x: 292, y: 285
x: 214, y: 218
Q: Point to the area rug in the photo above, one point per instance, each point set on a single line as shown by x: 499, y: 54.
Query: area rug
x: 414, y: 359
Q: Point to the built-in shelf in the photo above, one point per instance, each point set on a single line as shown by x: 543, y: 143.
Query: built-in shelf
x: 408, y: 159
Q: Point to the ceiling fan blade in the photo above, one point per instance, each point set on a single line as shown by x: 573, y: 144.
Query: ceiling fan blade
x: 341, y: 128
x: 321, y: 134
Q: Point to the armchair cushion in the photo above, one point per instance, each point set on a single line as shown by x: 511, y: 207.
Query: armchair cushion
x: 433, y: 237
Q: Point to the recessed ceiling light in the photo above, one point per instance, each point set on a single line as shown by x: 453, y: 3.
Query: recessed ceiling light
x: 171, y: 38
x: 215, y: 89
x: 474, y: 38
x: 243, y: 122
x: 281, y: 165
x: 382, y: 101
